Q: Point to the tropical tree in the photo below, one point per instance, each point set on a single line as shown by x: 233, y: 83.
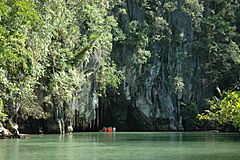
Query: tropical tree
x: 224, y: 111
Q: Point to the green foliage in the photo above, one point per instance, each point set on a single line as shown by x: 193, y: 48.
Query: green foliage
x: 3, y: 116
x: 109, y: 75
x: 225, y: 110
x: 18, y: 19
x: 160, y: 31
x: 218, y: 47
x: 218, y: 44
x: 189, y: 114
x: 27, y: 104
x: 139, y: 39
x: 178, y: 84
x: 169, y: 6
x: 63, y: 85
x: 141, y: 56
x: 194, y: 8
x: 143, y: 35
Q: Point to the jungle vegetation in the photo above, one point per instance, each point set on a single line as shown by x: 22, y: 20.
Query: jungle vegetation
x: 43, y: 47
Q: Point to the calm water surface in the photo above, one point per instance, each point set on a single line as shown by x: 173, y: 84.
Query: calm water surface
x: 124, y: 146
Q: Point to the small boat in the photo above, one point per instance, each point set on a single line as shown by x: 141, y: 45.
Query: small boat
x: 107, y: 129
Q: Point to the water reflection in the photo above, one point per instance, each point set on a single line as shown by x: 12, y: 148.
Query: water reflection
x: 5, y: 147
x: 101, y: 146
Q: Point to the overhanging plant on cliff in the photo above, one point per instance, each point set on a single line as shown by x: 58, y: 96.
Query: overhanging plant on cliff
x: 109, y: 76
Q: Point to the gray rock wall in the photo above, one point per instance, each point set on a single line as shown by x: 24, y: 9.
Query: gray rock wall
x: 152, y: 93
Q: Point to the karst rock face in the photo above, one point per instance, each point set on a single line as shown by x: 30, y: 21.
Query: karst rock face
x: 152, y: 93
x: 163, y: 72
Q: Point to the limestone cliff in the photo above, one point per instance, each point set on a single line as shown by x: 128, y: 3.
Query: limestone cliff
x: 63, y: 70
x: 153, y: 91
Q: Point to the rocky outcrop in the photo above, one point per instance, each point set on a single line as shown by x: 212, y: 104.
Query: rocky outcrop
x: 5, y: 133
x: 10, y: 130
x: 80, y: 113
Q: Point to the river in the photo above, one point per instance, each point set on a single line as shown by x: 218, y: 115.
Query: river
x: 124, y: 146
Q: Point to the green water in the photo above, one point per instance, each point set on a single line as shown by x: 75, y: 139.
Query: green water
x: 124, y: 146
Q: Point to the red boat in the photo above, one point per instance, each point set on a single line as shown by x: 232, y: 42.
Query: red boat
x: 107, y: 129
